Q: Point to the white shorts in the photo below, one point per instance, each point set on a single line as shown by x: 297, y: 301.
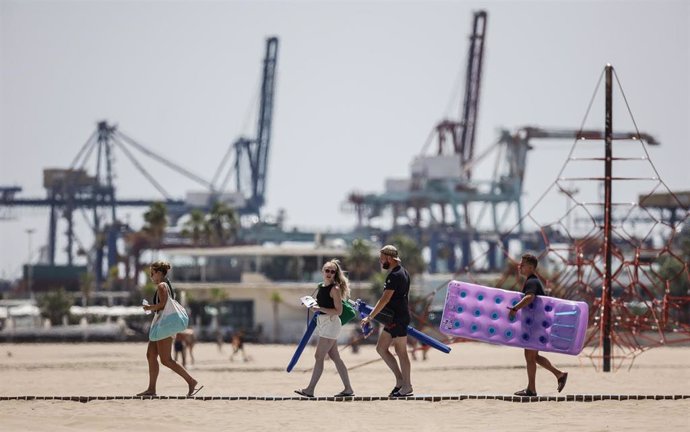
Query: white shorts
x: 328, y: 326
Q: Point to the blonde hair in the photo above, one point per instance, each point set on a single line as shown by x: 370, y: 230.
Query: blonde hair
x: 340, y: 279
x: 161, y: 266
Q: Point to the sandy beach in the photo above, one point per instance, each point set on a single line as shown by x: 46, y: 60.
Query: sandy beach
x: 470, y: 369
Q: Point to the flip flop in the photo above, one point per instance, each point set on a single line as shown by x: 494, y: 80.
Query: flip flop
x: 561, y: 381
x: 395, y: 390
x: 400, y: 395
x: 525, y: 392
x: 195, y: 391
x: 146, y: 394
x: 305, y: 394
x: 344, y: 394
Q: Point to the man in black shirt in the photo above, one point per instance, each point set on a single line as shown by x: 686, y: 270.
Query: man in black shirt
x: 531, y: 289
x: 395, y: 300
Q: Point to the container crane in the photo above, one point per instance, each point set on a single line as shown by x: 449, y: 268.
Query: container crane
x: 444, y: 180
x: 73, y: 190
x: 251, y: 154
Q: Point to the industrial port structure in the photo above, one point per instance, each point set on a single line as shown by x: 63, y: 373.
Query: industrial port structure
x: 443, y: 204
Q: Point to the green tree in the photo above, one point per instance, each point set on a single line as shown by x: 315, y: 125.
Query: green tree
x: 672, y: 270
x: 55, y: 304
x: 361, y: 263
x: 148, y: 289
x: 410, y: 253
x: 376, y: 282
x: 217, y: 295
x: 222, y: 224
x: 196, y: 227
x: 156, y: 220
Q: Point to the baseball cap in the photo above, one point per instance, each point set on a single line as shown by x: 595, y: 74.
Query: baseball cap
x: 391, y: 251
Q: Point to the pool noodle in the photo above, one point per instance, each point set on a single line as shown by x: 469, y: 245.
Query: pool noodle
x: 302, y: 343
x: 364, y: 308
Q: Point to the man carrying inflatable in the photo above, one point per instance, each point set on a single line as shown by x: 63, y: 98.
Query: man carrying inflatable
x: 531, y: 289
x: 395, y: 301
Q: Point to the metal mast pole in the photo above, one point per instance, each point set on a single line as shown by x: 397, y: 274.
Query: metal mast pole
x: 606, y: 292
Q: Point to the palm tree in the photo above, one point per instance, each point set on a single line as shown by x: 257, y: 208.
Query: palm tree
x: 222, y: 224
x: 195, y: 226
x: 156, y: 219
x: 359, y: 260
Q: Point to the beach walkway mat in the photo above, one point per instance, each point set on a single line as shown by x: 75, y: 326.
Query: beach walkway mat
x: 421, y: 398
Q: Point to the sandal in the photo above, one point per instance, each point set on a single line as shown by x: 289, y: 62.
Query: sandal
x: 303, y: 393
x: 561, y: 381
x: 394, y: 391
x: 344, y: 394
x: 525, y: 392
x: 194, y: 391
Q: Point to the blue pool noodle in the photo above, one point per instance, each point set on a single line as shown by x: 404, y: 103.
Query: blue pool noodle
x: 302, y: 343
x: 364, y: 308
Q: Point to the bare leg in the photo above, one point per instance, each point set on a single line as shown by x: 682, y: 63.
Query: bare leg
x: 531, y: 360
x: 413, y: 349
x: 546, y: 364
x: 384, y: 342
x: 152, y: 359
x: 191, y: 354
x: 340, y: 366
x: 322, y: 348
x: 400, y: 345
x: 164, y: 353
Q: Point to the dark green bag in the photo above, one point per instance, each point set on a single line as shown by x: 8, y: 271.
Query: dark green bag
x: 348, y: 313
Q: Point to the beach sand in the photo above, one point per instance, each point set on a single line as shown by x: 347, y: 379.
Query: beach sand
x: 119, y: 369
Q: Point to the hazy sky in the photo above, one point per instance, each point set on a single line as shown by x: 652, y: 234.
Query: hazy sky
x: 360, y: 85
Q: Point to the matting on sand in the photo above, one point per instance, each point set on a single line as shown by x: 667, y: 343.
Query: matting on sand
x: 422, y: 398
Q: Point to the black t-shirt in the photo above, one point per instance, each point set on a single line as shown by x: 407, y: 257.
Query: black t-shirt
x: 398, y: 280
x: 323, y: 297
x: 533, y: 286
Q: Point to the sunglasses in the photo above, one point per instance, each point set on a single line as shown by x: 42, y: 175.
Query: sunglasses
x: 329, y: 271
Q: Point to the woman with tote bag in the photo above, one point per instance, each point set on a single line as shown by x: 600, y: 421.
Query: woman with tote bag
x: 162, y: 347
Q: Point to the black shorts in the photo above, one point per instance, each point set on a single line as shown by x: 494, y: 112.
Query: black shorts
x: 396, y: 328
x: 178, y: 346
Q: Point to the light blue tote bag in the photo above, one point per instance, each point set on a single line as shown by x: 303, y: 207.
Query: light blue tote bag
x: 172, y: 319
